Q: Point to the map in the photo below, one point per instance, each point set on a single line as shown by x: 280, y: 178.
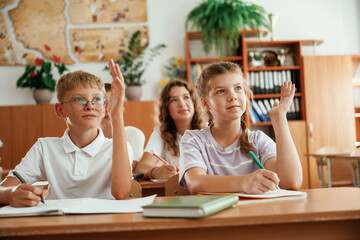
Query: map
x: 70, y: 29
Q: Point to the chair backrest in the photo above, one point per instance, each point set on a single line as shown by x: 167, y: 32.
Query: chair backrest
x: 172, y: 187
x: 332, y: 150
x: 355, y: 152
x: 136, y: 139
x: 136, y: 191
x: 340, y: 170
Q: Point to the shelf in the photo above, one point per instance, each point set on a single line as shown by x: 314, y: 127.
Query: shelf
x: 195, y: 60
x: 273, y: 95
x: 275, y: 68
x: 269, y: 123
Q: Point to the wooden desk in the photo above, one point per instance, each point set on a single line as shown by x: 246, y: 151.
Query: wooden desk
x: 150, y: 188
x: 327, y: 213
x: 327, y: 157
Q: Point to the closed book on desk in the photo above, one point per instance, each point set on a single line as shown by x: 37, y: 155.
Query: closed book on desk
x: 189, y: 206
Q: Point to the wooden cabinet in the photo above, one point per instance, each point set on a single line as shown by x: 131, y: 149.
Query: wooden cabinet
x: 356, y: 87
x: 21, y: 126
x: 329, y: 105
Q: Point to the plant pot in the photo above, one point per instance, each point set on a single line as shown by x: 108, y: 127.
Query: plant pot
x: 42, y: 96
x: 133, y: 93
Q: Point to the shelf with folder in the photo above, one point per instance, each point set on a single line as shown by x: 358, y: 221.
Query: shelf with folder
x: 273, y: 68
x: 215, y: 59
x: 273, y: 95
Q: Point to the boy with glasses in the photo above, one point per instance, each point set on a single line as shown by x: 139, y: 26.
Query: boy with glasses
x: 82, y: 163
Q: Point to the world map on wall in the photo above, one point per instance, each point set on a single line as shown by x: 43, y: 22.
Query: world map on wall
x: 69, y: 28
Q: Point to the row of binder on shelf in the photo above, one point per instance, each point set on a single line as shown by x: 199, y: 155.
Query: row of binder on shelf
x: 270, y: 82
x: 259, y: 111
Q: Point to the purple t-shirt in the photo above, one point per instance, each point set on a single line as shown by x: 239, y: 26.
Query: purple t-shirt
x: 198, y: 148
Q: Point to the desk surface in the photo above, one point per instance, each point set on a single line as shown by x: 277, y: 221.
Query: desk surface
x: 332, y: 213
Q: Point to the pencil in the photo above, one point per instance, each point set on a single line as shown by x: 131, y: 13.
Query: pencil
x: 152, y: 152
x: 22, y: 180
x: 252, y: 155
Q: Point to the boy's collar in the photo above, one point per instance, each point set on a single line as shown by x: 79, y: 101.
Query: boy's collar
x: 92, y: 149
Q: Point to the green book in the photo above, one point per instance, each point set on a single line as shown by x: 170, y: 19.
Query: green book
x: 194, y: 206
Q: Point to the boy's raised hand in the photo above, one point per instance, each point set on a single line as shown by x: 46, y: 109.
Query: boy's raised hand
x: 117, y: 98
x: 287, y: 95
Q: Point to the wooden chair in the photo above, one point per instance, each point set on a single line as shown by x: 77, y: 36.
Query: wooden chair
x: 355, y: 167
x: 172, y: 187
x: 338, y: 171
x: 135, y: 191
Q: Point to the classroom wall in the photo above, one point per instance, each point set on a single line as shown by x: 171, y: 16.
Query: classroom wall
x: 336, y: 22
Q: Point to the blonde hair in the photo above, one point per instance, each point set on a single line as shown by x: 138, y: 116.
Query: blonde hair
x: 203, y: 87
x: 168, y: 129
x: 74, y: 79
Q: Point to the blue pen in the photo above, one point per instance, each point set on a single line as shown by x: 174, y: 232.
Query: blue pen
x: 252, y: 155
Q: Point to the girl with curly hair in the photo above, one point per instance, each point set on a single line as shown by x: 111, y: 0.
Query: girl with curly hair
x: 178, y: 110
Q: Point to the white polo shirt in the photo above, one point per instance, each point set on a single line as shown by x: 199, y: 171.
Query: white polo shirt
x: 71, y: 172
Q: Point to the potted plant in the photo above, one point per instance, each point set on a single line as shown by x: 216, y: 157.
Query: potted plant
x: 222, y: 20
x: 40, y: 78
x: 134, y: 63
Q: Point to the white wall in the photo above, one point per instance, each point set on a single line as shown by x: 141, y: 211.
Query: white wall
x: 334, y: 21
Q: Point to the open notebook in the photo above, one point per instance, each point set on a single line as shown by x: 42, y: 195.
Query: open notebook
x: 270, y: 196
x: 79, y: 206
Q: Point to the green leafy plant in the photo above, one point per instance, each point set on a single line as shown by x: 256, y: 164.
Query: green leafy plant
x: 136, y: 59
x: 223, y: 20
x: 39, y: 76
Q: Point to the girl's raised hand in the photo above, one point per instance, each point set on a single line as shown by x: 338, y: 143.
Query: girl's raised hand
x: 287, y: 95
x: 117, y: 98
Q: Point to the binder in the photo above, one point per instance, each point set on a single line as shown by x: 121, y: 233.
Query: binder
x: 256, y: 107
x: 297, y: 109
x: 262, y: 83
x: 257, y: 83
x: 253, y: 116
x: 263, y: 110
x: 267, y: 105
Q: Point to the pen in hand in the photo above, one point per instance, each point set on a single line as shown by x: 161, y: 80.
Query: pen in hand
x: 152, y: 152
x: 252, y: 155
x: 22, y: 180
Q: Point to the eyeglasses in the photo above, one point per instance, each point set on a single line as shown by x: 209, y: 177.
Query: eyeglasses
x: 80, y: 103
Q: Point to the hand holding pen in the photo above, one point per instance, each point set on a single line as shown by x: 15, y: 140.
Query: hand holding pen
x: 163, y: 172
x: 253, y: 156
x: 30, y: 187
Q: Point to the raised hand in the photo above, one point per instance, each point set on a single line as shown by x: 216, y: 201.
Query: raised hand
x: 287, y: 95
x: 117, y: 98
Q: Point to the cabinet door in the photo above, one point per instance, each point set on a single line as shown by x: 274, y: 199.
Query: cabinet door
x: 5, y: 136
x: 140, y: 114
x: 298, y: 133
x: 329, y: 105
x: 52, y: 126
x: 26, y: 129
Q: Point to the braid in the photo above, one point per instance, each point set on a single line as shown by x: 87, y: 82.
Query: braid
x: 244, y: 143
